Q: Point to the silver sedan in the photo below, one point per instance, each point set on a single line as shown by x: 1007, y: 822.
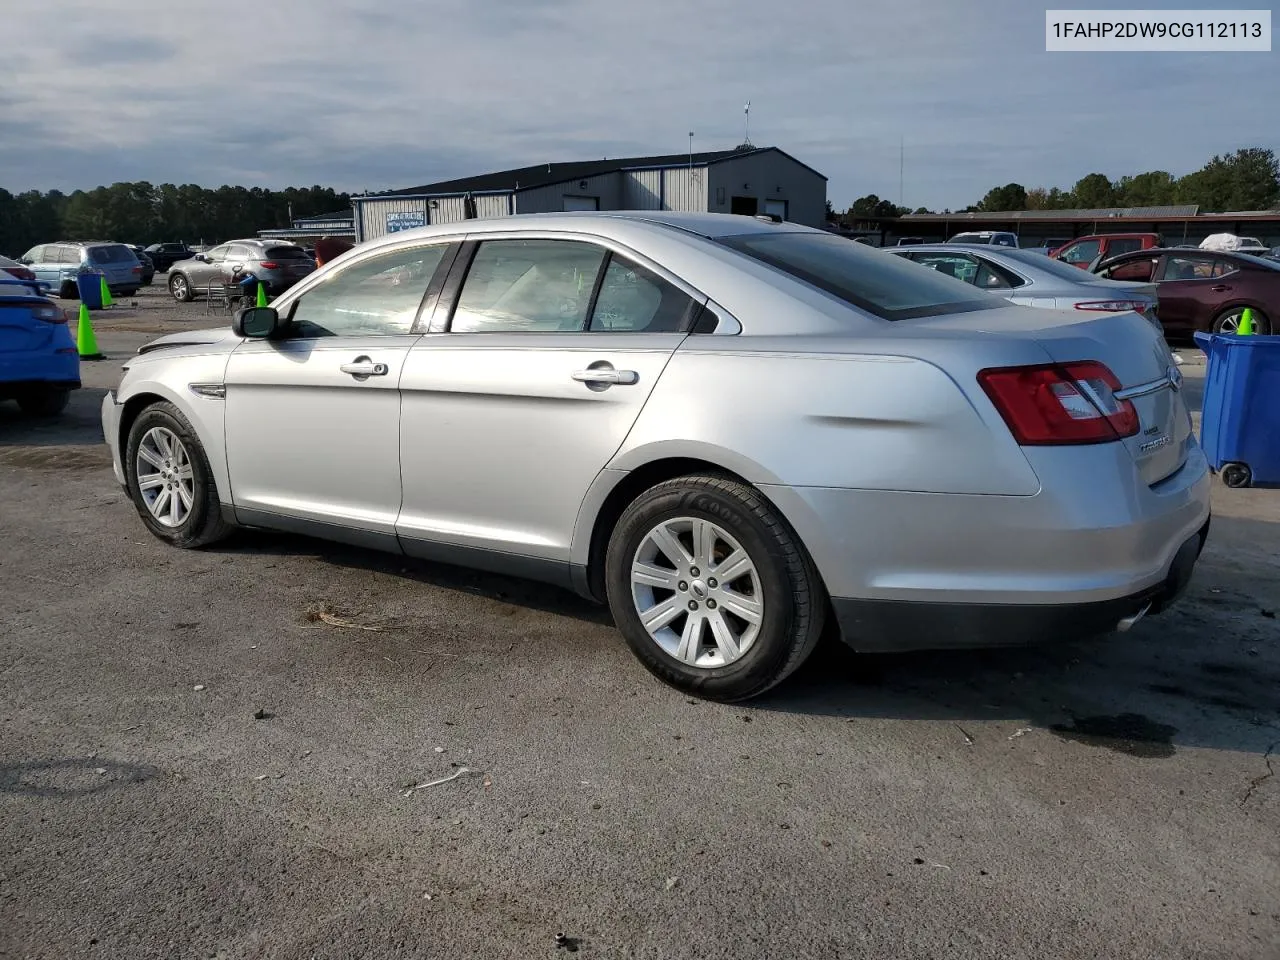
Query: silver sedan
x: 732, y: 431
x: 1033, y: 280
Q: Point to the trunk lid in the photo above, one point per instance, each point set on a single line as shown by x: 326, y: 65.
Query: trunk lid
x: 1129, y: 345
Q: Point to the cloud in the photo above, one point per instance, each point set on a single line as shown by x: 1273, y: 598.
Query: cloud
x: 367, y: 94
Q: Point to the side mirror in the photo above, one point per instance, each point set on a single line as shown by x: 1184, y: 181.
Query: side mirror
x: 24, y: 261
x: 201, y: 257
x: 257, y: 323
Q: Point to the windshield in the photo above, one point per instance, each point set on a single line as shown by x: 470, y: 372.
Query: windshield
x: 970, y: 238
x: 1057, y: 268
x: 286, y: 253
x: 115, y: 253
x: 881, y: 283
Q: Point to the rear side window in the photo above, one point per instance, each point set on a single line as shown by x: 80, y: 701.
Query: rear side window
x: 882, y: 284
x: 633, y: 299
x: 114, y: 253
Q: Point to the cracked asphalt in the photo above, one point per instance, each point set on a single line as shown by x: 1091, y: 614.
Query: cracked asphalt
x: 1112, y: 799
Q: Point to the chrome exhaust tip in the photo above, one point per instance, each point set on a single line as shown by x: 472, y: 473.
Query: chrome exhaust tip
x: 1126, y: 623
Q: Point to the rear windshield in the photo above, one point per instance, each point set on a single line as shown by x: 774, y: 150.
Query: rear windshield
x: 970, y: 238
x: 115, y: 253
x: 286, y: 253
x: 1058, y: 268
x: 881, y: 283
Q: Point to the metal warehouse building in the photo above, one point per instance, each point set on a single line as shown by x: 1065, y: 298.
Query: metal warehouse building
x: 747, y: 180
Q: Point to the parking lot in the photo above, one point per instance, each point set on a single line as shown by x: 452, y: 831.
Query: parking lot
x: 215, y: 754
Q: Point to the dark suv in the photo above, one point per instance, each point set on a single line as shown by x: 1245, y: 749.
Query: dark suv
x: 165, y: 255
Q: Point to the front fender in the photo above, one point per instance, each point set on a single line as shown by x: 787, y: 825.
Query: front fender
x: 205, y: 414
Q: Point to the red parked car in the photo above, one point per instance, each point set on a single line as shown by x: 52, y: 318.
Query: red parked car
x: 1203, y: 290
x: 1087, y: 252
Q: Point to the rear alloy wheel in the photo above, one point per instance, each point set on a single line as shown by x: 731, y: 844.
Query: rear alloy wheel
x: 712, y: 589
x: 1229, y: 321
x: 180, y: 288
x: 170, y: 481
x: 48, y: 402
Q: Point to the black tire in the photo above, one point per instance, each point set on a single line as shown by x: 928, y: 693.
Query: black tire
x: 204, y: 524
x: 47, y: 402
x: 1236, y: 475
x: 1231, y: 317
x: 131, y: 292
x: 68, y: 291
x: 794, y: 599
x: 180, y: 288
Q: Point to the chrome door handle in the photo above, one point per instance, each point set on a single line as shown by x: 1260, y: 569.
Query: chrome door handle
x: 1220, y: 288
x: 363, y: 367
x: 607, y: 375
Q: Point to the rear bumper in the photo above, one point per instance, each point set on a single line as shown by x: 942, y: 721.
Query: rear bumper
x: 35, y: 369
x: 899, y: 626
x: 14, y: 388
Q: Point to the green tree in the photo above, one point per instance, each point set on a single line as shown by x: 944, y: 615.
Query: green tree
x: 1012, y: 196
x: 1094, y: 190
x: 1248, y: 179
x: 1152, y: 189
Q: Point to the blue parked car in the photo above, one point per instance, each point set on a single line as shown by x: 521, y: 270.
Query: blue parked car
x: 60, y: 264
x: 39, y: 361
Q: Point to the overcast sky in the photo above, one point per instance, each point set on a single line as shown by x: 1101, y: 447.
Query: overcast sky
x: 375, y: 94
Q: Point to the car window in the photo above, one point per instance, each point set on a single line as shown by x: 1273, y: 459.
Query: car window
x: 240, y: 252
x: 990, y: 277
x: 1083, y: 252
x: 285, y: 253
x: 219, y: 253
x: 1187, y: 268
x: 35, y: 255
x: 1119, y: 245
x: 635, y: 299
x: 1222, y: 268
x: 869, y: 279
x: 112, y: 253
x: 379, y: 296
x: 950, y: 264
x: 528, y: 286
x: 1142, y: 269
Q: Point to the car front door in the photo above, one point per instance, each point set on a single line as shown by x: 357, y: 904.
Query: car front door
x: 202, y: 272
x: 313, y: 418
x: 546, y: 354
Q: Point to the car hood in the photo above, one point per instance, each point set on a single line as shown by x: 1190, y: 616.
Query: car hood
x: 219, y: 337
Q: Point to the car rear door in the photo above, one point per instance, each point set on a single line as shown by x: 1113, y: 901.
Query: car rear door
x: 313, y: 418
x: 1189, y: 294
x: 542, y: 361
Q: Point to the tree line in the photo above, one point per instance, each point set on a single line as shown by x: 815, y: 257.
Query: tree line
x: 1248, y: 179
x: 142, y: 213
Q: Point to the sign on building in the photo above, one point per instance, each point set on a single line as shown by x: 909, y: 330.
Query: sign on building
x: 405, y: 220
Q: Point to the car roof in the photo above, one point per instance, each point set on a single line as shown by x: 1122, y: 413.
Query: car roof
x: 708, y: 225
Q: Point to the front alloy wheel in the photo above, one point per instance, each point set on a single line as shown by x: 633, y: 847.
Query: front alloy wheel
x: 166, y: 479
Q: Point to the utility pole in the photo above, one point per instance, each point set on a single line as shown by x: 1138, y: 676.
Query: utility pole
x: 746, y: 124
x: 902, y: 152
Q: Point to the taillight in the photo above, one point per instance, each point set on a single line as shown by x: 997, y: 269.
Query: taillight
x: 1113, y: 306
x: 270, y: 265
x: 1060, y: 403
x: 48, y: 313
x: 137, y: 269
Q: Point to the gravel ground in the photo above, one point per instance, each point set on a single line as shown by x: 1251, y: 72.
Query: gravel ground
x: 198, y: 759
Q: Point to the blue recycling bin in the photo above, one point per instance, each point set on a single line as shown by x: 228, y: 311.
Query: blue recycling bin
x: 1240, y: 419
x: 90, y: 287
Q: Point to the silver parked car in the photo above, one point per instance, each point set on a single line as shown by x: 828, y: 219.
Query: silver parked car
x: 1033, y: 280
x: 999, y: 238
x: 730, y: 430
x: 276, y: 263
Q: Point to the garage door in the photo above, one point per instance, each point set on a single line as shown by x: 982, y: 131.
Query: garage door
x: 582, y: 203
x: 776, y: 208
